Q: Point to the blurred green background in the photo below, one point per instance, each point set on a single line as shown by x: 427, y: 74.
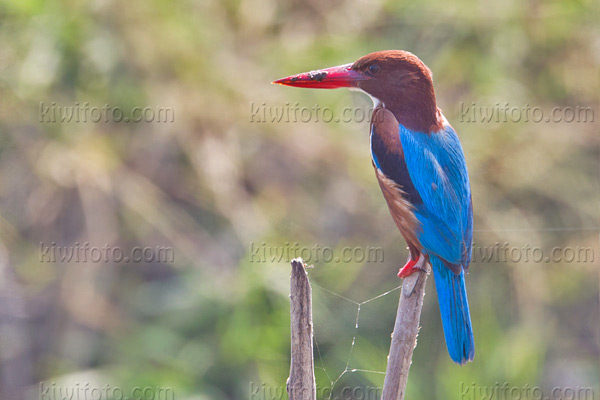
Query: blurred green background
x: 214, y: 184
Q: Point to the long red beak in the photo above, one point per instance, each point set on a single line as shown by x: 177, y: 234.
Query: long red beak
x: 328, y: 78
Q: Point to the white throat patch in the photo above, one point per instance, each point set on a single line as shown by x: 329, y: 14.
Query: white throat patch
x: 376, y: 101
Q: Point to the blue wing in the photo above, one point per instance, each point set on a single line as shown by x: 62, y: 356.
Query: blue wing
x: 438, y: 171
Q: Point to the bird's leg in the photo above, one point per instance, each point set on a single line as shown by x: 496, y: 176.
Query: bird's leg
x: 411, y: 266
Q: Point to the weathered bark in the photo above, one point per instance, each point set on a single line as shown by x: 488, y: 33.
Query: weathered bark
x: 301, y: 382
x: 404, y: 337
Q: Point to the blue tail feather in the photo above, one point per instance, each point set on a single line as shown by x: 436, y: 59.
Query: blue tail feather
x: 454, y: 308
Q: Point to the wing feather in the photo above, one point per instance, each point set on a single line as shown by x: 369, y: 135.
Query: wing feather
x: 437, y: 168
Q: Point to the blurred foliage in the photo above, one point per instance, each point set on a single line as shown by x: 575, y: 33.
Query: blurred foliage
x: 214, y: 324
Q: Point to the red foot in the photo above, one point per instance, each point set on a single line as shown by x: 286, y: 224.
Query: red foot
x: 411, y: 267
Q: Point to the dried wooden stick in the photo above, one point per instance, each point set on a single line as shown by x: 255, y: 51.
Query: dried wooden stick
x: 404, y: 337
x: 301, y: 382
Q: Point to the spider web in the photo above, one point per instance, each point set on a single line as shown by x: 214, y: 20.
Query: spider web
x: 332, y: 378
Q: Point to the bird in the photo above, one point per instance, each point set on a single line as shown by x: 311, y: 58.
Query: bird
x: 421, y: 169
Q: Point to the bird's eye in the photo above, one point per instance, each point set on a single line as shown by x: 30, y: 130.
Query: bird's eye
x: 373, y: 69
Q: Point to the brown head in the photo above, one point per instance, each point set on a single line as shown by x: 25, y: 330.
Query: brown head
x: 396, y: 78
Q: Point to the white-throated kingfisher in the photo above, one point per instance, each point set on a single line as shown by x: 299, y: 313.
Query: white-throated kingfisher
x: 422, y: 172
